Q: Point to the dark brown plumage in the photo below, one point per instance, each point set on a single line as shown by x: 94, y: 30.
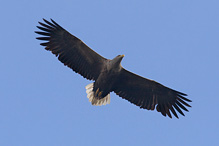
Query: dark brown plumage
x: 108, y: 74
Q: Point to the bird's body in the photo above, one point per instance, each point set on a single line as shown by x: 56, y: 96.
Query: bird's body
x: 109, y: 75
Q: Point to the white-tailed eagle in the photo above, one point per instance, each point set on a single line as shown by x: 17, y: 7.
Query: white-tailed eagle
x: 109, y: 75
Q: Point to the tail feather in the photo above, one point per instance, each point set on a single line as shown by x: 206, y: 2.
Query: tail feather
x: 93, y: 100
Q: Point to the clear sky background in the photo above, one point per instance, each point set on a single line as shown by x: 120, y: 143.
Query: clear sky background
x: 44, y: 103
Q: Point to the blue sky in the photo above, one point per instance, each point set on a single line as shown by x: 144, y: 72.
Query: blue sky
x: 176, y: 43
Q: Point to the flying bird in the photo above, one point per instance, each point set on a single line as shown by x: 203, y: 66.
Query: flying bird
x: 108, y: 74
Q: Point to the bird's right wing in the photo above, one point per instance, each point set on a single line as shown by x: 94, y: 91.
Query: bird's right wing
x: 70, y: 50
x: 147, y: 94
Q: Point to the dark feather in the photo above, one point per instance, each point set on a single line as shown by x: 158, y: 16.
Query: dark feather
x: 44, y: 44
x: 183, y: 102
x: 42, y: 33
x: 168, y: 112
x: 50, y: 24
x: 180, y: 105
x: 51, y: 27
x: 44, y: 29
x: 43, y: 38
x: 174, y: 112
x: 186, y: 99
x: 178, y: 109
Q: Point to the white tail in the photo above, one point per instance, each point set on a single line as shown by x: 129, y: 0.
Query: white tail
x: 93, y: 100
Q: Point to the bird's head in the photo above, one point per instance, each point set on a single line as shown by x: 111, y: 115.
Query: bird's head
x: 118, y: 59
x: 116, y: 62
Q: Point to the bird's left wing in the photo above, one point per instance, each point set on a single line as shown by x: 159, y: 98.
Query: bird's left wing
x: 70, y: 50
x: 147, y: 94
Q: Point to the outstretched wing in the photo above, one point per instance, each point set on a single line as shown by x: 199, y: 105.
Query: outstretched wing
x: 70, y: 50
x: 147, y: 94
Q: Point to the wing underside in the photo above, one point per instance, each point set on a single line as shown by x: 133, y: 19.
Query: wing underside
x: 148, y: 94
x: 70, y: 50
